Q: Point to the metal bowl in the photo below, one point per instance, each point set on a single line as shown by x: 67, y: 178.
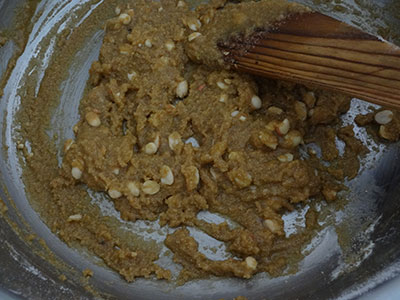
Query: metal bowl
x: 368, y: 266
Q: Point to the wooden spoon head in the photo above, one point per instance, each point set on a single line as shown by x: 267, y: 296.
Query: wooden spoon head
x: 315, y: 24
x: 316, y: 49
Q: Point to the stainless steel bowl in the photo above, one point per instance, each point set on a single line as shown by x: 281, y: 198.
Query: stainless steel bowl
x: 372, y: 218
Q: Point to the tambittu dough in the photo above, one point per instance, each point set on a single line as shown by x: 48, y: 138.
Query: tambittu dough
x: 167, y: 131
x: 166, y: 138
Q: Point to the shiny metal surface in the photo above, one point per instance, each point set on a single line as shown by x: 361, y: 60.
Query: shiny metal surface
x: 373, y: 215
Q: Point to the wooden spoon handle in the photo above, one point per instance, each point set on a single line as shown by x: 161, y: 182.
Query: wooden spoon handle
x: 316, y: 49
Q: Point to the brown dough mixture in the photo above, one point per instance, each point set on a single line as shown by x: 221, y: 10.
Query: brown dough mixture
x: 148, y: 101
x: 167, y: 133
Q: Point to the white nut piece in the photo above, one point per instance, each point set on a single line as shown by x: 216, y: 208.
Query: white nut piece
x: 309, y: 99
x: 384, y: 117
x: 74, y: 218
x: 157, y: 141
x: 227, y: 81
x: 114, y: 194
x: 251, y: 262
x: 181, y: 4
x: 272, y: 226
x: 242, y: 118
x: 243, y: 181
x: 76, y: 173
x: 170, y: 45
x: 150, y: 187
x: 67, y: 145
x: 174, y: 139
x: 223, y: 98
x: 283, y: 127
x: 301, y: 110
x: 117, y: 10
x: 268, y: 139
x: 275, y: 110
x: 256, y: 102
x: 288, y: 157
x: 125, y: 18
x: 193, y: 36
x: 167, y: 177
x: 182, y: 89
x: 93, y: 119
x: 234, y: 113
x: 383, y: 132
x: 133, y: 189
x: 125, y: 50
x: 293, y: 138
x: 196, y: 176
x: 222, y: 85
x: 131, y: 75
x: 194, y: 25
x: 206, y: 19
x: 240, y: 177
x: 116, y: 171
x: 148, y: 43
x: 213, y: 173
x: 150, y: 148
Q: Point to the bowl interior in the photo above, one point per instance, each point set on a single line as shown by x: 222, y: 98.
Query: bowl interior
x: 330, y: 270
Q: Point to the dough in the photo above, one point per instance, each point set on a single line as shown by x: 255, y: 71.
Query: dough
x: 167, y: 138
x: 167, y: 131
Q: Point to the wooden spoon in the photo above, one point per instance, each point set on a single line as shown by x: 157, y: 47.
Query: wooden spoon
x: 313, y: 48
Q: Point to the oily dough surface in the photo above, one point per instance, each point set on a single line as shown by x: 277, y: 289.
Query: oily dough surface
x: 167, y: 132
x: 148, y: 101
